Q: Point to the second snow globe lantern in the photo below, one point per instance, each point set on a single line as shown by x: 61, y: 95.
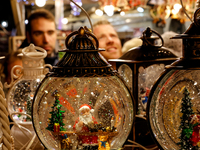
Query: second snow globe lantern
x: 24, y: 82
x: 83, y: 102
x: 173, y: 108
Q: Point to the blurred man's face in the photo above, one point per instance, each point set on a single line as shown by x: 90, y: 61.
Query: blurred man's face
x: 109, y: 40
x: 43, y: 34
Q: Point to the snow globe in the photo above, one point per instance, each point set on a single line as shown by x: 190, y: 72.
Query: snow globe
x: 83, y: 103
x: 21, y: 92
x: 173, y: 108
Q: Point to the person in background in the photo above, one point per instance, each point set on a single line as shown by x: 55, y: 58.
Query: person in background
x: 108, y: 39
x: 41, y: 31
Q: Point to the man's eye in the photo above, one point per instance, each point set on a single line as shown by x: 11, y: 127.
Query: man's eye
x: 51, y: 32
x: 38, y: 33
x: 101, y: 37
x: 113, y: 35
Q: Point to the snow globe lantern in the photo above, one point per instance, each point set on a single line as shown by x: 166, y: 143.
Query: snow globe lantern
x: 24, y: 81
x: 140, y: 67
x: 173, y: 108
x: 82, y: 102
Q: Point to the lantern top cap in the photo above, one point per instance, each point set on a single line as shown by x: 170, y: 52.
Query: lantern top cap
x: 32, y: 52
x: 148, y: 39
x: 83, y: 39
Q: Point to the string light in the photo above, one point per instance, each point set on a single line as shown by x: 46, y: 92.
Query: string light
x: 140, y: 9
x: 26, y: 21
x: 40, y: 3
x: 176, y: 9
x: 109, y: 10
x: 4, y: 23
x: 64, y: 20
x: 99, y: 12
x: 122, y: 13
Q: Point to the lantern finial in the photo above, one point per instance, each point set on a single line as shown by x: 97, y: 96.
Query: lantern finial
x: 148, y: 32
x: 81, y: 31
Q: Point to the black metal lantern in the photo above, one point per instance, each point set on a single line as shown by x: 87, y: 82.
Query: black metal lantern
x: 173, y: 108
x: 140, y: 67
x: 82, y: 81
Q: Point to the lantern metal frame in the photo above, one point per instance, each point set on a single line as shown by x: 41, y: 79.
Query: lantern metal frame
x: 144, y: 56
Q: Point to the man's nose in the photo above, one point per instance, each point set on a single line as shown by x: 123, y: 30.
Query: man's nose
x: 46, y: 38
x: 109, y: 39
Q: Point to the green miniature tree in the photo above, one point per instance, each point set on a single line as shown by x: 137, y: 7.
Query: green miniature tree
x: 29, y: 108
x: 56, y: 114
x: 185, y: 126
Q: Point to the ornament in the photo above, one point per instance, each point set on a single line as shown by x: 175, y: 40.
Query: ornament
x: 91, y: 94
x: 21, y: 92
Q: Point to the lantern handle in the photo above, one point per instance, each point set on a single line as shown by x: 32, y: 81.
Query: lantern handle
x: 149, y: 32
x: 46, y: 69
x: 84, y: 12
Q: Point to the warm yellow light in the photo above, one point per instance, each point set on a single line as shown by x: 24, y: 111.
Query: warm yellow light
x: 64, y: 20
x: 109, y: 10
x: 174, y: 12
x: 122, y: 13
x: 40, y: 3
x: 99, y: 12
x: 128, y: 20
x: 177, y: 7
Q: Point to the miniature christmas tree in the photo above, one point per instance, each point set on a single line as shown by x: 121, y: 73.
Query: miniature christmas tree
x: 56, y: 121
x: 185, y: 126
x: 29, y: 107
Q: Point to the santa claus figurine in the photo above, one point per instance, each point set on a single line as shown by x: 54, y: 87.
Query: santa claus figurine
x: 83, y: 126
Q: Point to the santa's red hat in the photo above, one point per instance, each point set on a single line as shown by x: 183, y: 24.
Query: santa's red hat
x: 85, y: 106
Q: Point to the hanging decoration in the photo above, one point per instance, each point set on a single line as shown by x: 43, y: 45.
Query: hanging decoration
x: 160, y: 13
x: 121, y: 5
x: 82, y: 100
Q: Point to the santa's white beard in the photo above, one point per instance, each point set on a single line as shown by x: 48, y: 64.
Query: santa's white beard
x: 86, y: 119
